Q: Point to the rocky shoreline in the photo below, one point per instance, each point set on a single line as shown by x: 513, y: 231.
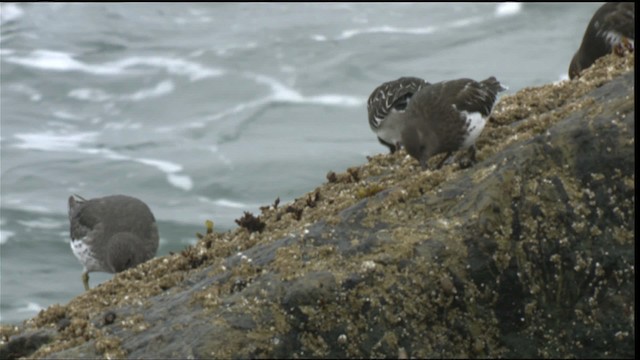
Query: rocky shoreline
x: 529, y: 253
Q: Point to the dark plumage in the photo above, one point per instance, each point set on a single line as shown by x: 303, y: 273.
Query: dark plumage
x: 111, y: 234
x: 447, y: 116
x: 385, y: 102
x: 611, y: 29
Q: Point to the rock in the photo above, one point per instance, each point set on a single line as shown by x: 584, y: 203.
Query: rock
x: 529, y: 253
x: 25, y: 344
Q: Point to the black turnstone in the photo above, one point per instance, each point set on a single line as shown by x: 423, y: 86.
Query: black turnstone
x: 447, y: 116
x: 385, y: 103
x: 111, y: 234
x: 611, y: 29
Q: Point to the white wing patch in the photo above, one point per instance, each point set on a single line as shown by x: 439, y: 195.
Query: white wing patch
x: 475, y: 124
x: 85, y: 255
x: 613, y: 37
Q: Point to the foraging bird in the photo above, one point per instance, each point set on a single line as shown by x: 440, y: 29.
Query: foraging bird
x: 611, y: 29
x: 385, y: 103
x: 111, y: 234
x: 447, y: 116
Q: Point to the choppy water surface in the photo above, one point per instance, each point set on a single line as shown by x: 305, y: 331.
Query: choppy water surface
x: 206, y: 110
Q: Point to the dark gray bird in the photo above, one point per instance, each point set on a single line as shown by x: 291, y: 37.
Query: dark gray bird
x: 385, y: 103
x: 447, y: 116
x: 611, y: 29
x: 111, y: 234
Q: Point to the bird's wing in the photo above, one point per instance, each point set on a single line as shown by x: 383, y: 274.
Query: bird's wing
x: 393, y: 95
x: 475, y: 97
x: 621, y: 20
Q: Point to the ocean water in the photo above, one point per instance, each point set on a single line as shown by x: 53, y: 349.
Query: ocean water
x: 206, y: 110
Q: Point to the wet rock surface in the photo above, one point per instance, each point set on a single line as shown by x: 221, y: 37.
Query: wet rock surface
x: 528, y: 253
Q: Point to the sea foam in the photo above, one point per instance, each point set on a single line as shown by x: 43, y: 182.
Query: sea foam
x: 226, y: 203
x: 74, y: 142
x: 508, y: 9
x: 504, y: 9
x: 30, y: 307
x: 9, y: 12
x: 280, y: 93
x: 33, y: 94
x: 50, y: 141
x: 347, y: 34
x: 42, y: 223
x: 5, y: 235
x: 61, y: 61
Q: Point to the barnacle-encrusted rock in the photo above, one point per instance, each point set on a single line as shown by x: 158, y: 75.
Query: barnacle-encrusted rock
x: 529, y: 253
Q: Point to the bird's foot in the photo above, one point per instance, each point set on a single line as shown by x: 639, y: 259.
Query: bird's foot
x: 625, y: 46
x: 465, y: 163
x: 447, y: 159
x: 468, y: 161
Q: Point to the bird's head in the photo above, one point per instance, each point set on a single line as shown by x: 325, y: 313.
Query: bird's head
x: 413, y: 142
x: 575, y: 67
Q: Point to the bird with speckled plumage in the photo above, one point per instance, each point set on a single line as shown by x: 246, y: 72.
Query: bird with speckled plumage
x: 447, y: 116
x: 611, y: 29
x: 386, y: 103
x: 111, y: 234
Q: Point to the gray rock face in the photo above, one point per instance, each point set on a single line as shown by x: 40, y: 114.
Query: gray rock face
x: 529, y: 253
x: 26, y: 344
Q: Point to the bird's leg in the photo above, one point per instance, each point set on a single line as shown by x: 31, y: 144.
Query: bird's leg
x: 443, y: 160
x: 85, y: 280
x: 629, y: 44
x: 470, y: 159
x: 472, y: 156
x: 423, y: 164
x: 397, y: 145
